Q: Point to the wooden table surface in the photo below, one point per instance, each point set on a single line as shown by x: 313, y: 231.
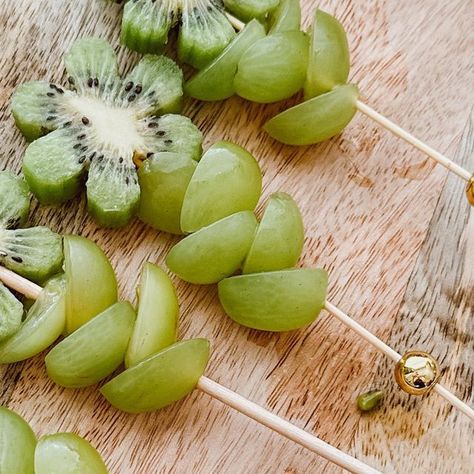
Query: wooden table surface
x: 395, y: 233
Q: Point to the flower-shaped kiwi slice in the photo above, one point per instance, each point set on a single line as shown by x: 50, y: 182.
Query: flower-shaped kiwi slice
x: 104, y: 127
x: 35, y: 252
x: 204, y: 28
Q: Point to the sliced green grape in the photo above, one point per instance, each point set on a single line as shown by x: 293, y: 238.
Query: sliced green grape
x: 275, y: 301
x: 317, y: 119
x: 329, y: 61
x: 286, y: 17
x: 279, y: 239
x: 43, y: 325
x: 164, y: 179
x: 227, y: 180
x: 273, y: 68
x: 94, y: 350
x: 90, y: 279
x: 214, y: 252
x: 216, y: 81
x: 158, y: 313
x: 17, y: 444
x: 67, y: 453
x: 160, y: 380
x: 248, y: 9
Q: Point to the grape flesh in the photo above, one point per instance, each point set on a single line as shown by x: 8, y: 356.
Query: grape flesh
x: 279, y: 239
x: 216, y: 81
x: 275, y: 301
x: 329, y: 60
x: 317, y: 119
x: 158, y: 313
x: 160, y: 380
x: 285, y: 17
x: 67, y: 453
x: 273, y: 68
x: 214, y: 252
x: 94, y: 350
x: 227, y: 180
x: 17, y: 444
x: 163, y: 180
x: 44, y: 323
x: 90, y: 281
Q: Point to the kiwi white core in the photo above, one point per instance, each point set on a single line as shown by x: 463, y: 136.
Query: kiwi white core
x: 114, y: 127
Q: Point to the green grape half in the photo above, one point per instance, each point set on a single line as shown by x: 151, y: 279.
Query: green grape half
x: 164, y: 179
x: 67, y: 453
x: 275, y: 301
x: 227, y: 180
x: 216, y: 81
x: 273, y: 68
x: 44, y: 323
x: 329, y: 59
x: 317, y: 119
x: 158, y: 313
x: 90, y: 279
x: 279, y: 239
x: 17, y: 444
x: 286, y: 17
x: 214, y: 252
x: 160, y: 380
x: 248, y: 9
x: 93, y: 351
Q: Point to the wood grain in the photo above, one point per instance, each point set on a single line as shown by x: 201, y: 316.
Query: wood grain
x: 367, y: 200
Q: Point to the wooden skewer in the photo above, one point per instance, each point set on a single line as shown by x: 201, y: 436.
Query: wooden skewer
x: 234, y: 400
x: 393, y: 127
x: 409, y: 138
x: 394, y: 355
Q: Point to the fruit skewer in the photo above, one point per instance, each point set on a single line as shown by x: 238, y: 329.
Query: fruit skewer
x: 330, y: 29
x: 407, y: 380
x: 232, y: 399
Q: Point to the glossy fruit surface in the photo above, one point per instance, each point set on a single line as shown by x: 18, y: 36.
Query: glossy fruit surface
x: 329, y: 61
x: 317, y: 119
x: 158, y: 313
x: 44, y: 323
x: 160, y: 380
x: 273, y: 68
x: 164, y: 179
x: 227, y: 180
x: 67, y: 453
x: 94, y: 350
x: 216, y: 81
x: 275, y: 301
x: 279, y: 239
x: 90, y: 281
x: 17, y: 444
x: 285, y: 17
x: 214, y: 252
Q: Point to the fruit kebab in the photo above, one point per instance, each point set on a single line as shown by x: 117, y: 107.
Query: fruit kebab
x: 252, y: 64
x: 101, y: 333
x: 270, y: 294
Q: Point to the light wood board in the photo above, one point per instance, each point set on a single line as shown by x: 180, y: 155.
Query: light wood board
x: 398, y: 249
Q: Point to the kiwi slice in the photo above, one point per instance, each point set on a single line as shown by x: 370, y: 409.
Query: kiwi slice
x: 204, y: 26
x: 11, y: 311
x: 102, y: 129
x: 36, y: 252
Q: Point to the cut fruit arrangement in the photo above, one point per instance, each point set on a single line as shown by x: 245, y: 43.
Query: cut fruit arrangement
x: 60, y: 453
x: 205, y: 28
x: 104, y: 333
x: 124, y: 136
x: 104, y: 127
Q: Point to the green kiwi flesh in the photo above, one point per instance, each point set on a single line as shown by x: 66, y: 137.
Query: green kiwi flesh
x: 101, y: 129
x: 11, y: 311
x: 36, y: 252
